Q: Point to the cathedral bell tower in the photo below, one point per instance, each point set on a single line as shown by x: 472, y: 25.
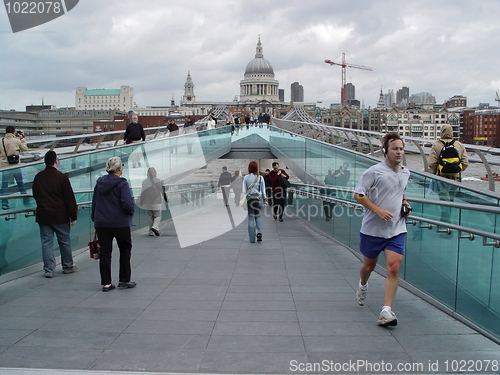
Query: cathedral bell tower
x: 381, y: 101
x: 188, y: 97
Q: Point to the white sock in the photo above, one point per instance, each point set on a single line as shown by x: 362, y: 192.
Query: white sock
x: 386, y: 308
x: 364, y: 287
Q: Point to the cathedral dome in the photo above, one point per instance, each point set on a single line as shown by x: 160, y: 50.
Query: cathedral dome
x: 259, y: 65
x: 258, y: 82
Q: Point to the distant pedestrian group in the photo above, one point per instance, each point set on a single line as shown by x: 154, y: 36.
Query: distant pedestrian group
x: 258, y: 190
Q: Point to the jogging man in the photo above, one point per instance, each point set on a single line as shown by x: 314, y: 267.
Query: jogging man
x: 381, y: 191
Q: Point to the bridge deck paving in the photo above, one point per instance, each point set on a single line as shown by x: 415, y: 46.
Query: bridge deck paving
x: 223, y: 306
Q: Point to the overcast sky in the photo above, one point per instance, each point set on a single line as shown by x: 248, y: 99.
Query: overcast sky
x: 442, y: 47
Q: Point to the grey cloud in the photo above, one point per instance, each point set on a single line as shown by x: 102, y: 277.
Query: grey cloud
x: 150, y: 45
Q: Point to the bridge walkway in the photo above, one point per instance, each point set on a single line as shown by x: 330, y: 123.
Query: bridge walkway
x: 225, y: 306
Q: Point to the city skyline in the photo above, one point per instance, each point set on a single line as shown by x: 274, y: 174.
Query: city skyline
x: 152, y: 44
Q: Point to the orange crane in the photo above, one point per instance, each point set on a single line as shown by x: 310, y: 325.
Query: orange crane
x: 344, y: 65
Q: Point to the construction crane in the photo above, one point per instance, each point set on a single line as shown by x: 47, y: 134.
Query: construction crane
x: 498, y: 99
x: 344, y: 66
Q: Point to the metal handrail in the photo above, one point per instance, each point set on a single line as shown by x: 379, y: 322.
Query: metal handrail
x: 352, y: 136
x: 52, y: 142
x: 8, y: 213
x: 414, y: 219
x: 464, y: 206
x: 96, y: 149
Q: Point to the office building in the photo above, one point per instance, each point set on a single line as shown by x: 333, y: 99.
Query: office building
x: 456, y: 101
x: 121, y: 99
x: 296, y: 92
x: 402, y: 96
x: 281, y: 94
x: 422, y: 98
x: 350, y: 91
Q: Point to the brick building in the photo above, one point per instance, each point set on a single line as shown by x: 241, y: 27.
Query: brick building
x: 482, y: 127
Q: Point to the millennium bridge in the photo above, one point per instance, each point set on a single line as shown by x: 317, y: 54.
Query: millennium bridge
x: 207, y: 301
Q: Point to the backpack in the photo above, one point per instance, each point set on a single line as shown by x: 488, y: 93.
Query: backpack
x: 449, y: 159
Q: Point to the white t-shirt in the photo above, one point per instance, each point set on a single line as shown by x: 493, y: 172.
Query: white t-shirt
x: 384, y: 186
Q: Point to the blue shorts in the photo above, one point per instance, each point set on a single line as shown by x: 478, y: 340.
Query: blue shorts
x: 371, y: 247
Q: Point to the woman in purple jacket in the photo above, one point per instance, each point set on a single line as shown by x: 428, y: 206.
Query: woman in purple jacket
x: 112, y: 212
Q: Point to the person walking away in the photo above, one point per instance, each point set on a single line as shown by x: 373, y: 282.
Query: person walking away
x: 189, y: 128
x: 237, y: 186
x: 10, y: 149
x: 448, y: 158
x: 279, y: 190
x: 224, y: 184
x: 56, y: 212
x: 383, y: 229
x: 151, y: 200
x: 230, y: 121
x: 247, y: 120
x: 112, y: 213
x: 133, y: 134
x: 237, y: 124
x: 173, y: 130
x: 254, y: 186
x: 211, y: 124
x: 188, y: 125
x: 266, y: 118
x: 260, y: 119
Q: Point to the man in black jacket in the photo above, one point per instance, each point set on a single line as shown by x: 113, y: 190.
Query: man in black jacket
x: 134, y: 133
x: 56, y: 212
x: 224, y: 184
x: 279, y: 190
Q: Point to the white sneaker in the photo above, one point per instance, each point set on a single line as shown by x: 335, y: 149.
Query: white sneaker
x: 387, y: 318
x: 361, y: 296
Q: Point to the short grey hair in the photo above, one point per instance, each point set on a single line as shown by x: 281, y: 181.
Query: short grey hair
x: 113, y: 164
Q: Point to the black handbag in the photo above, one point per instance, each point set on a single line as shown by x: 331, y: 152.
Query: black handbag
x: 284, y: 183
x: 12, y: 159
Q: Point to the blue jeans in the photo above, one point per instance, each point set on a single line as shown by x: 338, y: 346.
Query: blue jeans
x: 18, y: 176
x: 63, y: 238
x: 254, y: 220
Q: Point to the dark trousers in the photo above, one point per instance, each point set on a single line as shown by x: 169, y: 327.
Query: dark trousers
x: 327, y: 206
x: 269, y: 195
x: 279, y: 196
x: 124, y: 240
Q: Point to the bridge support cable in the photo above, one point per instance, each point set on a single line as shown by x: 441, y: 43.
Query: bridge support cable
x: 477, y: 154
